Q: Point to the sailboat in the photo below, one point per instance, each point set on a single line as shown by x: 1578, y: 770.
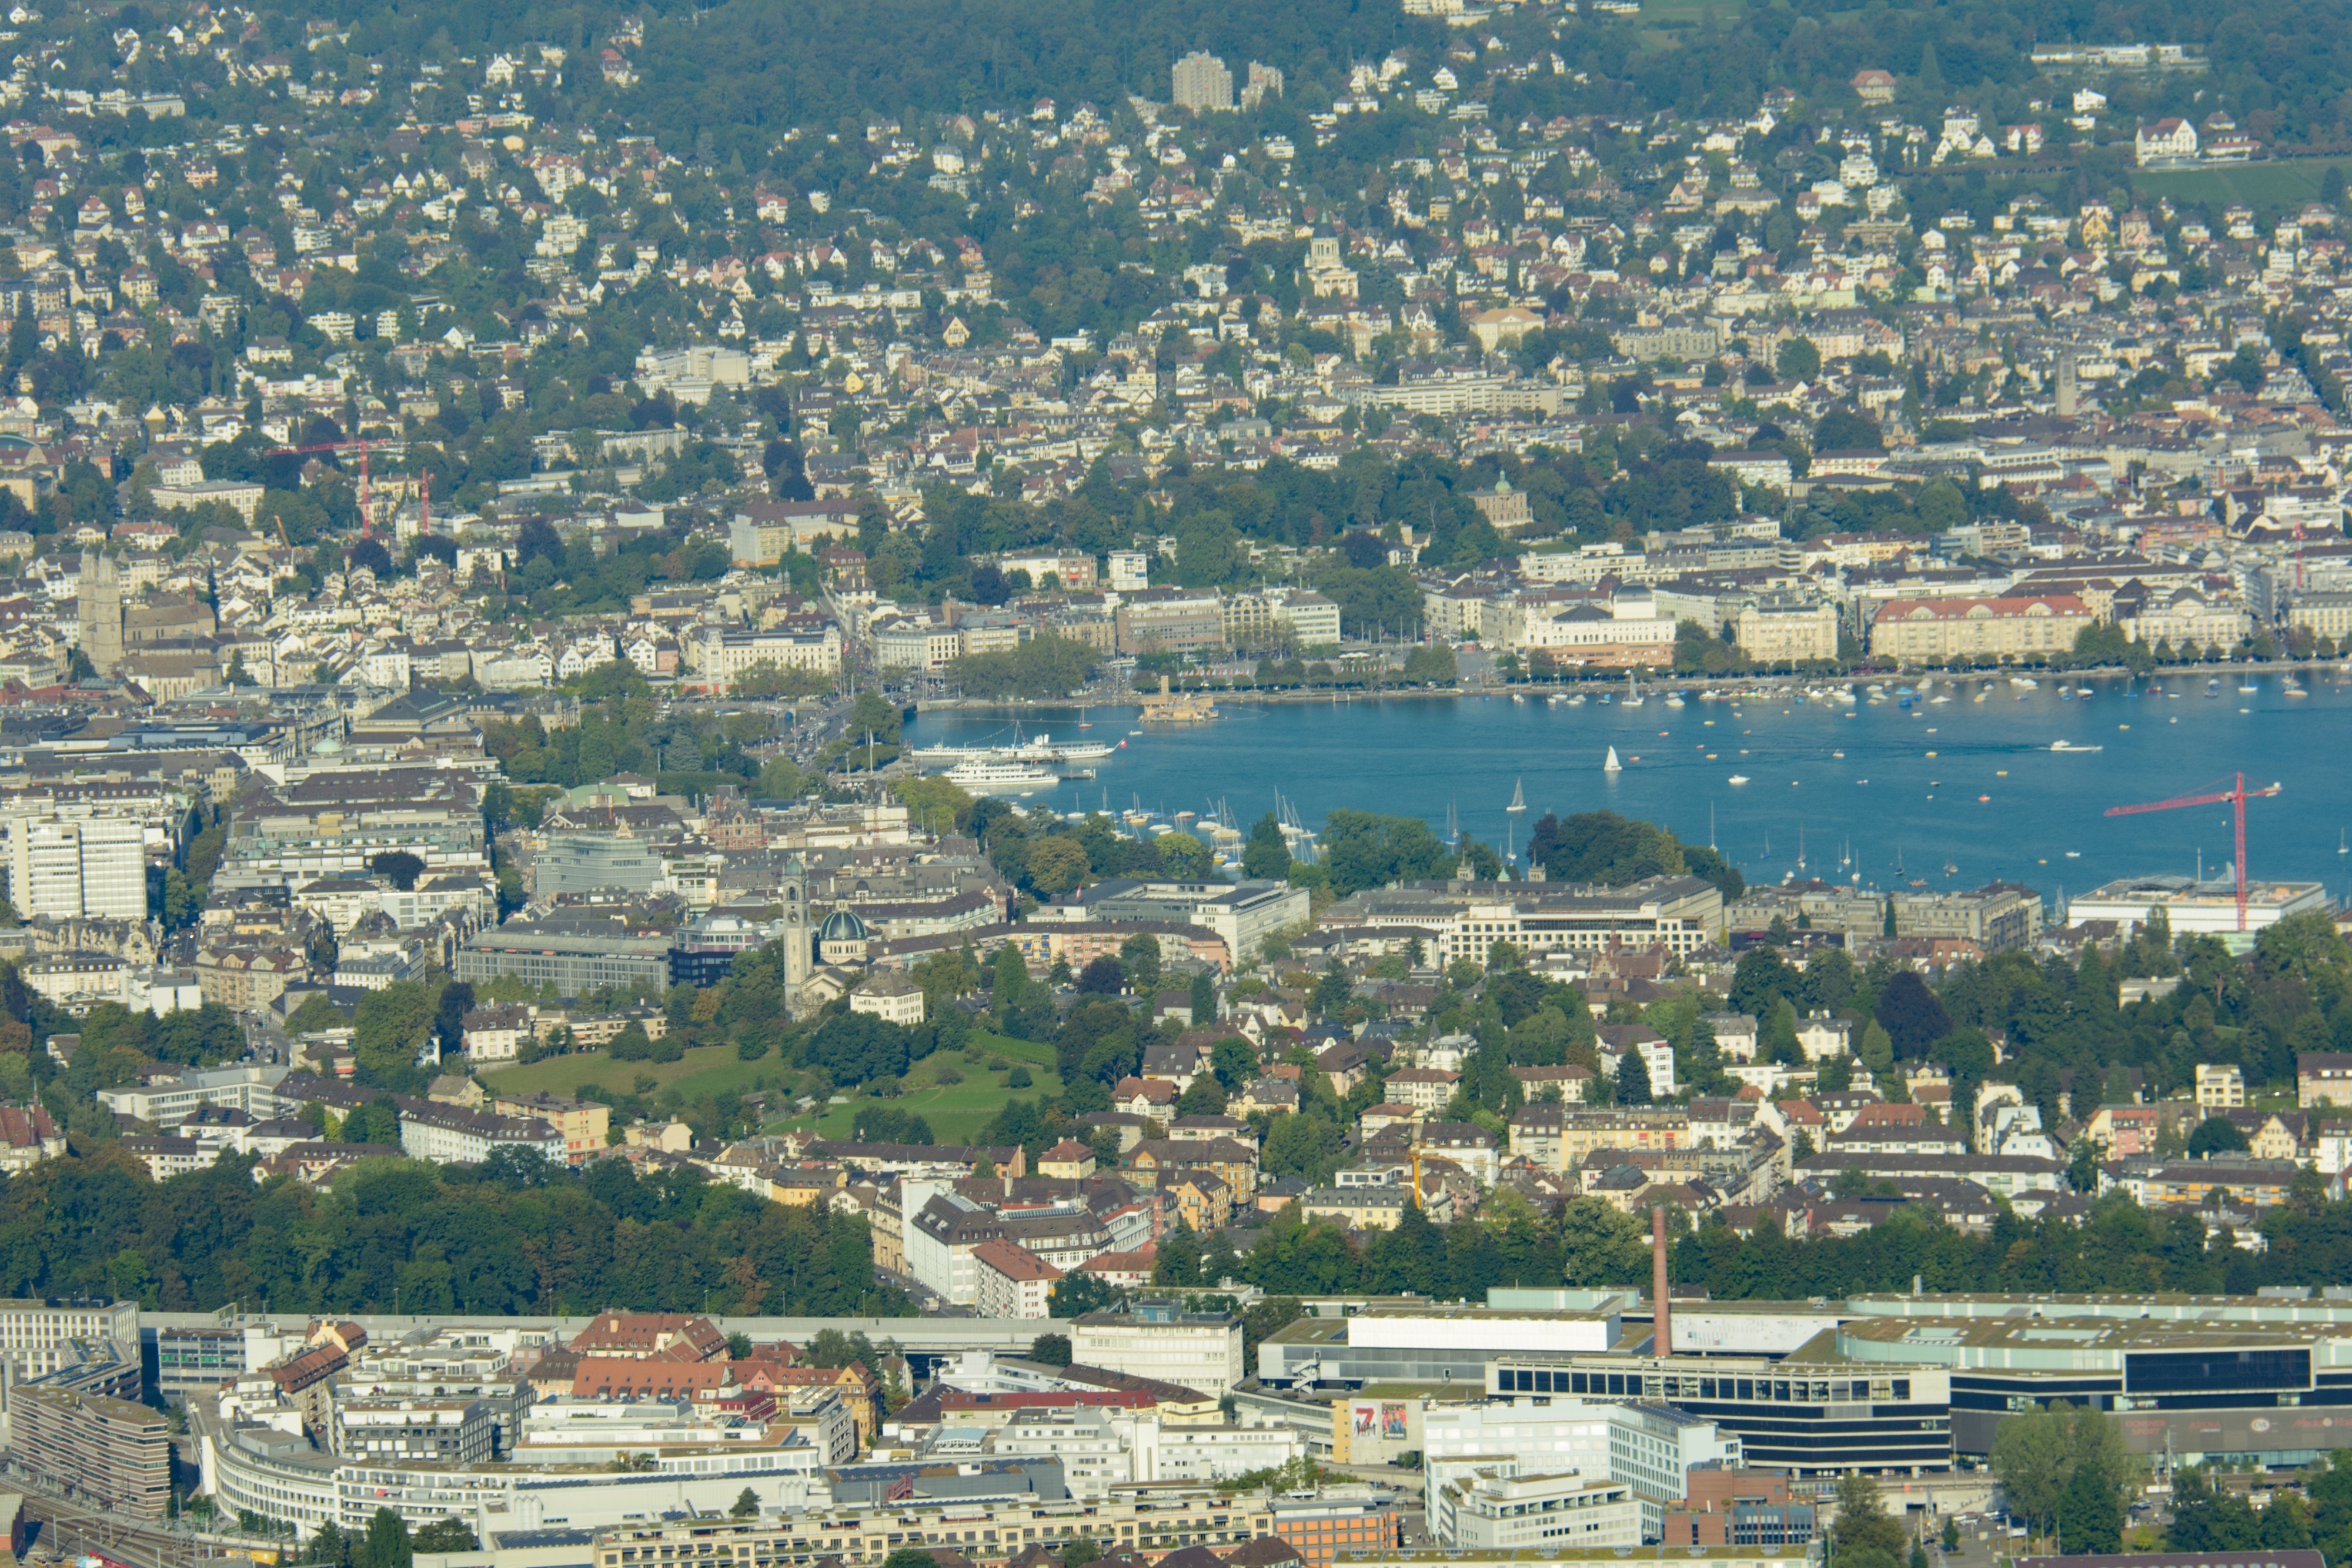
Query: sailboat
x: 1519, y: 798
x: 1612, y: 765
x: 1768, y: 843
x: 1800, y: 848
x: 1082, y: 720
x: 1710, y: 824
x: 1632, y: 690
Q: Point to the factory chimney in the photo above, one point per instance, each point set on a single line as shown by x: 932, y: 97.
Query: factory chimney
x: 1662, y: 1340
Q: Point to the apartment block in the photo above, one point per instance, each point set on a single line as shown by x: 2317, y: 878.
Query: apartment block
x: 110, y: 1453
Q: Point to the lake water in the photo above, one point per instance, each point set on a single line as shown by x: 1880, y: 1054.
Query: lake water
x: 1960, y: 783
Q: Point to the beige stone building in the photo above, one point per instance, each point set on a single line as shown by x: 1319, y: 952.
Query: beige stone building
x: 1917, y: 629
x: 1781, y: 632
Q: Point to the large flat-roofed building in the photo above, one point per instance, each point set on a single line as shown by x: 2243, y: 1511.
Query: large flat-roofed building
x: 333, y: 824
x: 1147, y: 1521
x: 1424, y: 1344
x: 37, y: 1337
x: 2263, y: 1557
x: 96, y: 866
x: 1583, y: 1557
x: 597, y: 863
x: 1244, y: 913
x: 111, y: 1454
x: 199, y: 1359
x: 1808, y: 1417
x: 1332, y: 1524
x: 1997, y: 916
x: 1651, y: 1449
x: 1160, y: 1341
x: 2199, y: 1389
x: 1170, y: 621
x: 2195, y: 907
x: 575, y: 963
x: 1525, y: 1506
x: 1466, y: 919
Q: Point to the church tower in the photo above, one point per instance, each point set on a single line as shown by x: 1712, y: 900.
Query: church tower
x: 800, y: 936
x: 100, y: 602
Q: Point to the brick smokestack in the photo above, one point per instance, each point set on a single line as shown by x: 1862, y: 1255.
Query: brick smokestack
x: 1662, y: 1341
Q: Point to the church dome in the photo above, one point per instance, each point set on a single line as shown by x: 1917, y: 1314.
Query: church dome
x: 841, y: 925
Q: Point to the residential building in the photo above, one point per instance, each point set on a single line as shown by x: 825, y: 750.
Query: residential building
x: 585, y: 1125
x: 1202, y: 83
x: 2221, y: 1086
x: 111, y: 1454
x: 2323, y: 1078
x: 892, y: 997
x: 1011, y: 1281
x: 451, y: 1135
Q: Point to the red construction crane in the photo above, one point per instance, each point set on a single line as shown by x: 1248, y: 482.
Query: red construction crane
x: 367, y: 509
x: 2237, y: 795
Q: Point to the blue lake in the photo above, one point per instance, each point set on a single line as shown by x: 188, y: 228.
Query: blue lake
x: 1883, y: 782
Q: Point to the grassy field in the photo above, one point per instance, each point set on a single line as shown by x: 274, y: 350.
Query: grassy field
x: 2262, y: 186
x: 707, y: 1069
x: 957, y: 1111
x: 1726, y: 11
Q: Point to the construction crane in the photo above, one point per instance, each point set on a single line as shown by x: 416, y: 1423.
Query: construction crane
x: 2237, y: 795
x: 367, y: 510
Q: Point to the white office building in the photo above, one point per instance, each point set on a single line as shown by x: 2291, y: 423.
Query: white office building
x: 1649, y: 1447
x: 1093, y: 1451
x: 2196, y: 908
x: 1493, y: 1511
x: 36, y: 1336
x: 168, y: 1102
x: 1187, y: 1452
x: 1158, y: 1340
x: 97, y: 865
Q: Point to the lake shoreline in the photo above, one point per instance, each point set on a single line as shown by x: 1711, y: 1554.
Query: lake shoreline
x: 1962, y: 776
x: 1731, y: 687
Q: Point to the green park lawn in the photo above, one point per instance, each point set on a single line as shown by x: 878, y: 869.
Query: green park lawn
x: 706, y: 1070
x: 955, y: 1111
x: 2263, y: 186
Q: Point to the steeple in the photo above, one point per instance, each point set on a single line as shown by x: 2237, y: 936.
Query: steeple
x: 100, y: 604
